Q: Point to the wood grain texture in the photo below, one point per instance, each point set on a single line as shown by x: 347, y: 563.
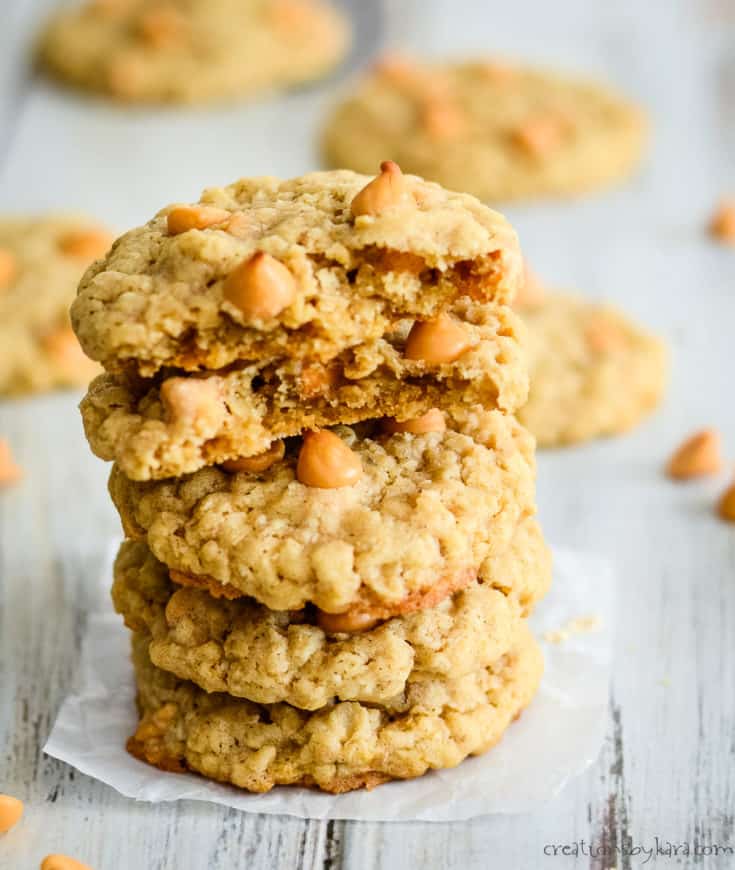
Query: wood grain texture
x: 667, y: 768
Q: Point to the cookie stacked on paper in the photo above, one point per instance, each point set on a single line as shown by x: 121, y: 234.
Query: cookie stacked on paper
x: 331, y: 555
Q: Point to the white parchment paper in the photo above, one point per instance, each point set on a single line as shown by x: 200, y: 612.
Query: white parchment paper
x: 557, y: 737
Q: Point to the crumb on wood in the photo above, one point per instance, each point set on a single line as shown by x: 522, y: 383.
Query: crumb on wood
x: 578, y: 625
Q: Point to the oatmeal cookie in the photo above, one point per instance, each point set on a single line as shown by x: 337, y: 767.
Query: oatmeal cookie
x: 340, y: 747
x: 41, y: 262
x: 593, y: 371
x: 498, y: 130
x: 175, y: 425
x: 266, y: 269
x: 424, y: 513
x: 192, y: 51
x: 241, y: 648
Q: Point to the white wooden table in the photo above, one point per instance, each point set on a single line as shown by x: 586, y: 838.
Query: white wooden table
x: 667, y: 768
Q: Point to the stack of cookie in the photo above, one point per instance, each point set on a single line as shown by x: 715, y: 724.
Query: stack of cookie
x: 331, y: 550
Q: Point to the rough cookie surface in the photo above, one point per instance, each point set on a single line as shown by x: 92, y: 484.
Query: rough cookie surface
x: 241, y: 648
x: 341, y: 747
x: 126, y: 421
x: 499, y: 131
x: 41, y: 262
x: 427, y: 510
x: 159, y: 299
x: 593, y: 371
x: 192, y: 51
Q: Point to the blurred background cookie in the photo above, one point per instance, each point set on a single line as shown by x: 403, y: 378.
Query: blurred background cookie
x: 41, y: 262
x: 192, y: 51
x: 593, y: 371
x: 497, y: 130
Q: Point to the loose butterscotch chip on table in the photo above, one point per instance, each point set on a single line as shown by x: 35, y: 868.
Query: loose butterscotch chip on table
x: 697, y: 456
x: 726, y: 504
x: 11, y: 811
x: 722, y: 224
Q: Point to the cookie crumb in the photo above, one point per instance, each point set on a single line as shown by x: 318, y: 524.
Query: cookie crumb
x: 578, y: 625
x: 10, y: 472
x: 722, y: 223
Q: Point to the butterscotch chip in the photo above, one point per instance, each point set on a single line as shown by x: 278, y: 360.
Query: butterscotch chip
x: 443, y: 340
x: 431, y: 421
x: 62, y: 862
x: 86, y: 244
x: 62, y: 347
x: 604, y: 335
x: 193, y: 402
x: 291, y: 16
x: 326, y: 462
x: 722, y: 224
x: 443, y: 120
x: 126, y: 76
x: 540, y: 136
x: 726, y: 504
x: 427, y: 509
x: 532, y: 292
x: 163, y: 26
x: 10, y: 472
x: 182, y: 218
x: 7, y: 268
x: 349, y: 622
x: 260, y: 288
x: 697, y: 456
x: 593, y: 371
x: 198, y: 51
x: 125, y: 420
x: 388, y: 189
x: 342, y: 746
x: 306, y: 281
x: 259, y: 462
x: 499, y: 131
x: 308, y: 659
x: 11, y: 811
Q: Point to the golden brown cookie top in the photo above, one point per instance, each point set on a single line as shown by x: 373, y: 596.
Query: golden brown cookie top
x: 267, y: 268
